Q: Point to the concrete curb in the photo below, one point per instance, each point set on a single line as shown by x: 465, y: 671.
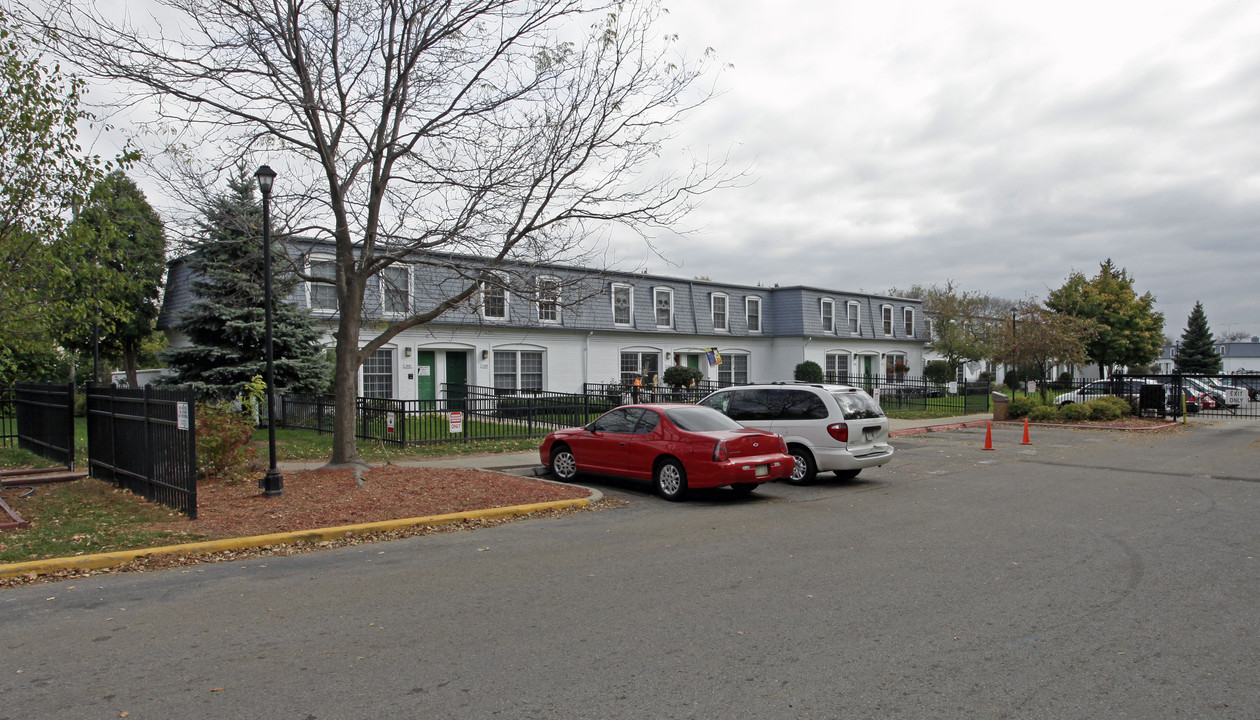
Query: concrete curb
x: 101, y: 560
x: 938, y: 428
x: 1067, y: 426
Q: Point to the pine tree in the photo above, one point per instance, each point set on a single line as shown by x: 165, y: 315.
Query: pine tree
x: 1196, y: 355
x: 225, y: 326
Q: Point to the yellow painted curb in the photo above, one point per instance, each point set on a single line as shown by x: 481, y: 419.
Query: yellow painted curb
x: 100, y: 560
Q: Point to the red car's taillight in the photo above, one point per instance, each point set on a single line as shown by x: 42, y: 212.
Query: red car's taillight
x: 839, y: 431
x: 719, y: 451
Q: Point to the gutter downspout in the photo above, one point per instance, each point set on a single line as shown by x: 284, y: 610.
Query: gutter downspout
x: 586, y: 354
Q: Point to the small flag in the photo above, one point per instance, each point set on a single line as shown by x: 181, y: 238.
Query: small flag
x: 713, y: 357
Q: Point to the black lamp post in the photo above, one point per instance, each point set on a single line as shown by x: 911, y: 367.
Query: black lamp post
x: 273, y: 482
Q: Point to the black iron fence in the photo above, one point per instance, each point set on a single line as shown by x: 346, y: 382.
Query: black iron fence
x: 472, y: 412
x: 468, y: 413
x: 1163, y: 395
x: 8, y: 418
x: 144, y: 440
x: 908, y: 394
x: 624, y: 394
x: 44, y: 420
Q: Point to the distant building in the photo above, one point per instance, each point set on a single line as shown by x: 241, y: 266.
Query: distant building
x: 1236, y: 357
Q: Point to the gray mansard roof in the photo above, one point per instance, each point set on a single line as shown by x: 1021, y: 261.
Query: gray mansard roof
x: 585, y: 303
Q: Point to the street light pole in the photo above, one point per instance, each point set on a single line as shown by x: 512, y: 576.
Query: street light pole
x: 273, y: 482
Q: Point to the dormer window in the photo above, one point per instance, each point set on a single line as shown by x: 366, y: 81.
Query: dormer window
x: 718, y: 305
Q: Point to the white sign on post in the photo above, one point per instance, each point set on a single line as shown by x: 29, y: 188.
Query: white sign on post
x: 389, y: 423
x: 181, y: 416
x: 457, y: 421
x: 953, y: 388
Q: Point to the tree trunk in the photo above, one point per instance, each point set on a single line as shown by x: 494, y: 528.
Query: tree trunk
x: 129, y: 364
x: 344, y: 447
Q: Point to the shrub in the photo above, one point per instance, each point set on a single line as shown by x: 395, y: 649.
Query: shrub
x: 1022, y: 406
x: 986, y: 376
x: 681, y: 376
x: 1108, y: 408
x: 939, y: 371
x: 1043, y: 413
x: 223, y: 433
x: 1014, y: 378
x: 808, y: 371
x: 1074, y: 412
x: 1064, y: 382
x: 223, y: 451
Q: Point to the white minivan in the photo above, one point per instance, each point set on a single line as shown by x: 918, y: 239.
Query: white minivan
x: 827, y: 427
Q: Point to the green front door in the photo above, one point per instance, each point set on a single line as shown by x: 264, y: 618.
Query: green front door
x: 693, y: 361
x: 456, y: 378
x: 426, y: 378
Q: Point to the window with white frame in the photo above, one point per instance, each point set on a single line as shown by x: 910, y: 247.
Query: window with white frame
x: 493, y: 301
x: 663, y: 300
x: 378, y: 374
x: 907, y: 316
x: 718, y: 306
x: 323, y: 296
x: 837, y: 369
x: 828, y: 315
x: 643, y: 365
x: 518, y: 369
x: 734, y: 369
x: 895, y: 365
x: 752, y: 311
x: 888, y: 320
x: 395, y: 290
x: 622, y: 304
x: 854, y: 315
x: 548, y: 299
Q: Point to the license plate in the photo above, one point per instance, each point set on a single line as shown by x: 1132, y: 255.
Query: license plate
x: 761, y: 470
x: 869, y: 434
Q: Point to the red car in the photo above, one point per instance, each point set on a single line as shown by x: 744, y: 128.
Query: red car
x: 677, y: 447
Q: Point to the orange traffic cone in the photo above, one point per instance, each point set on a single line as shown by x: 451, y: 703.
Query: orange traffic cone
x: 988, y: 436
x: 1026, y: 440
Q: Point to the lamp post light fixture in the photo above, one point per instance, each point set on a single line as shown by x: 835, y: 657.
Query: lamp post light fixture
x: 273, y: 482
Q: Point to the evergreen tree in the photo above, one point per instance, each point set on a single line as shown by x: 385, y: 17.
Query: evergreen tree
x: 225, y: 327
x: 1196, y: 355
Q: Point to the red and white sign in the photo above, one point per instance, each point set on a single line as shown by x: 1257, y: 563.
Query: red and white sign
x: 389, y: 423
x: 457, y: 421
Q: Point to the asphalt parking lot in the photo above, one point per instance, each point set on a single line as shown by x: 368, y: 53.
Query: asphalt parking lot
x: 1087, y: 575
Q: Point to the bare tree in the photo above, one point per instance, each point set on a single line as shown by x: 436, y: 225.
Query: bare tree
x: 413, y: 131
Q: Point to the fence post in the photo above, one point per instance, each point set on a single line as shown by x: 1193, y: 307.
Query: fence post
x: 70, y: 424
x: 149, y: 492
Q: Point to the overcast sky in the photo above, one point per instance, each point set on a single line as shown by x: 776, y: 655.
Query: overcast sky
x: 999, y: 144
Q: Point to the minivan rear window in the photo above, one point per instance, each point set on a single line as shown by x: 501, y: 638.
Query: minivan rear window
x: 858, y: 406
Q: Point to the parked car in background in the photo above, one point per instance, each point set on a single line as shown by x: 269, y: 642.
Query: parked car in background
x: 1174, y: 400
x: 1214, y: 395
x: 1120, y: 387
x: 1250, y: 383
x: 836, y: 428
x: 677, y: 447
